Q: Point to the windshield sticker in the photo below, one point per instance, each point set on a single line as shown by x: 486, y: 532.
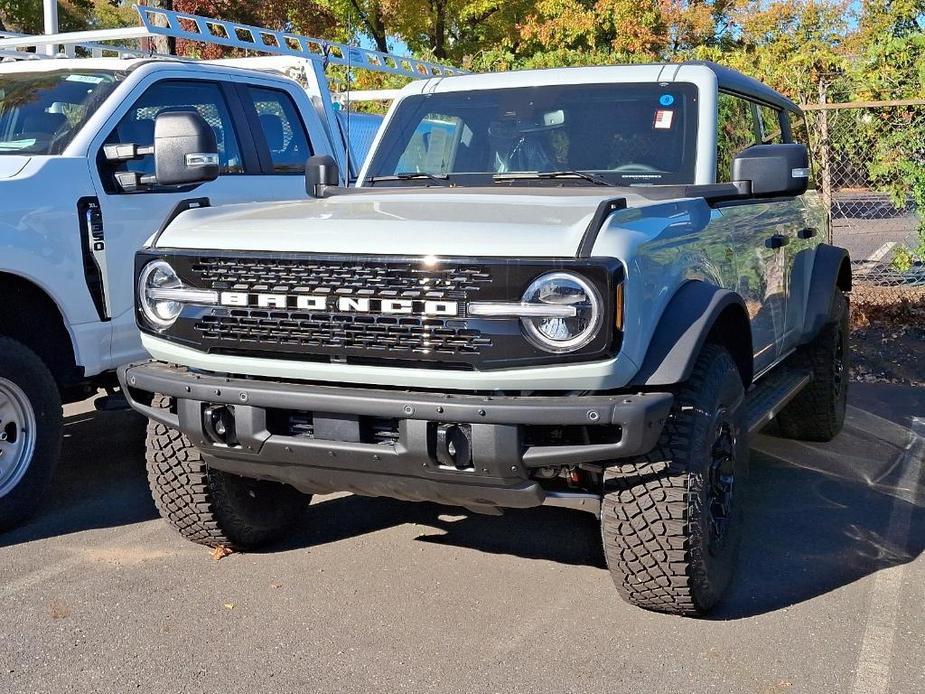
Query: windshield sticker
x: 666, y: 100
x: 86, y: 79
x: 663, y: 120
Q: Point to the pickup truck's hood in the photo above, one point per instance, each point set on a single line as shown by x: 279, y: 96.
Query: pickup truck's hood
x: 464, y: 221
x: 11, y: 164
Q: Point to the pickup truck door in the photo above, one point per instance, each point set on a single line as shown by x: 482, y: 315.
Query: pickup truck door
x: 260, y: 126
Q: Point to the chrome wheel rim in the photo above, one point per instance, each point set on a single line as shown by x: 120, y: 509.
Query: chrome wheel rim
x: 17, y: 435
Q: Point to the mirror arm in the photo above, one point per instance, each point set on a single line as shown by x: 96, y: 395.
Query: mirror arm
x: 126, y: 152
x: 131, y: 181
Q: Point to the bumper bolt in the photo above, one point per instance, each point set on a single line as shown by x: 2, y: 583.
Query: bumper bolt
x: 408, y: 410
x: 481, y: 413
x: 243, y: 397
x: 593, y: 416
x: 131, y: 380
x: 439, y: 410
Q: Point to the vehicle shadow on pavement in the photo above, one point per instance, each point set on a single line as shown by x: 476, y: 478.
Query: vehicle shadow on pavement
x: 822, y: 516
x: 100, y: 481
x: 818, y: 518
x: 553, y: 534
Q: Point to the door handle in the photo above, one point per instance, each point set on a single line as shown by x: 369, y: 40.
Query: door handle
x: 777, y: 241
x: 807, y: 233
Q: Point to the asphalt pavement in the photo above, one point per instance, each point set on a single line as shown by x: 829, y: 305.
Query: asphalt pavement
x: 97, y: 594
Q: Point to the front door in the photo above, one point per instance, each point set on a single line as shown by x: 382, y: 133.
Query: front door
x: 253, y: 168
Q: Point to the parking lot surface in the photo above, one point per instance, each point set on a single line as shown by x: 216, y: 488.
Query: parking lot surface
x: 97, y: 594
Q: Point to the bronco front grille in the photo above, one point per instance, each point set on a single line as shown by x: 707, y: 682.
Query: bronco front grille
x: 406, y: 280
x: 347, y: 335
x: 343, y: 308
x: 372, y: 334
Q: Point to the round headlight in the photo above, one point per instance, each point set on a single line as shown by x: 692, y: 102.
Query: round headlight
x: 563, y: 333
x: 161, y: 313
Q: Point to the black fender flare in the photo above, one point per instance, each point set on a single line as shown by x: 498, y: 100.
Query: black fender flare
x: 696, y: 311
x: 831, y: 272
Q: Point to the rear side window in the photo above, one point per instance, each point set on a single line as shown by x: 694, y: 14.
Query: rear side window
x: 282, y: 129
x: 206, y: 98
x: 737, y: 129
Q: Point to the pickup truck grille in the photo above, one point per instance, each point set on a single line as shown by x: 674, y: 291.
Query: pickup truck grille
x: 390, y: 311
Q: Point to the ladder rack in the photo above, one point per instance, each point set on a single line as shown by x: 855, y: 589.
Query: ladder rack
x: 161, y: 22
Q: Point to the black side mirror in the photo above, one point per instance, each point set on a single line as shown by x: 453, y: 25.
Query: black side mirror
x: 320, y: 172
x: 773, y: 170
x: 185, y: 149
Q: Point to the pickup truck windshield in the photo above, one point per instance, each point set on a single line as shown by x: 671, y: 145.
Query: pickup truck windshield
x: 41, y: 112
x: 623, y: 134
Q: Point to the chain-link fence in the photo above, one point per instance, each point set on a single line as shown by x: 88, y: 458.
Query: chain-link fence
x: 862, y: 153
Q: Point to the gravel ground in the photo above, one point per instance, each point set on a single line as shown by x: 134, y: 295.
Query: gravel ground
x: 98, y: 595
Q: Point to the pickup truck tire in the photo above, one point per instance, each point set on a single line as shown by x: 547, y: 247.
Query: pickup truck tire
x: 30, y: 431
x: 671, y: 519
x: 209, y: 506
x: 818, y: 412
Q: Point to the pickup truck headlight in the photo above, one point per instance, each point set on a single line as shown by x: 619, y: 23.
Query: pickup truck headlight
x: 162, y: 294
x: 574, y: 328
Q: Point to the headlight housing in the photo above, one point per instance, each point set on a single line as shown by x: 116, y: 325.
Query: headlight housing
x: 563, y: 333
x: 160, y: 310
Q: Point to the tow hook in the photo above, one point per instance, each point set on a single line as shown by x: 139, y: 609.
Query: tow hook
x: 218, y: 424
x: 454, y: 446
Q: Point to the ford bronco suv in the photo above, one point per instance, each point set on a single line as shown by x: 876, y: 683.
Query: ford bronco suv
x: 575, y: 287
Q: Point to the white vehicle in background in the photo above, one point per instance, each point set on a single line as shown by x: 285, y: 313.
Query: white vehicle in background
x: 80, y: 193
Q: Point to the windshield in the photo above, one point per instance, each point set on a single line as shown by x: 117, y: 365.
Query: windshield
x: 41, y: 112
x: 625, y: 133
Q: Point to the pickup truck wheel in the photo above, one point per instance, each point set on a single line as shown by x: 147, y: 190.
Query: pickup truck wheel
x: 209, y: 506
x: 30, y: 431
x: 818, y: 412
x: 671, y: 519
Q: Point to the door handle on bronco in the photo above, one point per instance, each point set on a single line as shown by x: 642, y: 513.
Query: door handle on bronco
x: 777, y: 241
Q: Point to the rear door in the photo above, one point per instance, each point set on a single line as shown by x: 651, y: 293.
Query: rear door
x: 261, y: 139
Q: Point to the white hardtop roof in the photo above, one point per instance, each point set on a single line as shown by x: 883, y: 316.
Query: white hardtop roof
x: 726, y: 78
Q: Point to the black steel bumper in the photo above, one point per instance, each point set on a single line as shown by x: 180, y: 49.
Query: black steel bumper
x: 411, y: 465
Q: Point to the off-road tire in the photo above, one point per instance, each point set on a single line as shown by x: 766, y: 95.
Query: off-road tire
x: 209, y: 506
x: 818, y: 412
x: 656, y: 518
x: 21, y: 366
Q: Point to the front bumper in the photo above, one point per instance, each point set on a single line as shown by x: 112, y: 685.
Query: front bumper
x: 409, y: 464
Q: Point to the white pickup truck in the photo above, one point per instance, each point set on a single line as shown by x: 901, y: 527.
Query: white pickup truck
x: 80, y: 195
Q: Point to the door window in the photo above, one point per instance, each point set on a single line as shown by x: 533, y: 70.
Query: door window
x: 206, y: 98
x: 737, y: 129
x: 282, y: 129
x: 771, y: 133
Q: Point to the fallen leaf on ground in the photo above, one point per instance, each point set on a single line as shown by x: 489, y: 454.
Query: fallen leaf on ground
x: 229, y: 606
x: 221, y: 552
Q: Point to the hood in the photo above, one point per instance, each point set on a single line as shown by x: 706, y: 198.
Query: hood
x: 434, y: 221
x: 12, y: 164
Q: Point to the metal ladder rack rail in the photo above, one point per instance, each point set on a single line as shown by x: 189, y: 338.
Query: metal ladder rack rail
x: 69, y: 50
x: 162, y: 22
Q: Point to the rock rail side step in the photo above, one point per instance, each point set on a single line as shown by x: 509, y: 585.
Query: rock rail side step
x: 771, y: 394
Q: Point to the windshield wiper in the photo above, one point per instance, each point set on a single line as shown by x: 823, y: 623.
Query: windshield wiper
x: 540, y: 175
x: 440, y: 179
